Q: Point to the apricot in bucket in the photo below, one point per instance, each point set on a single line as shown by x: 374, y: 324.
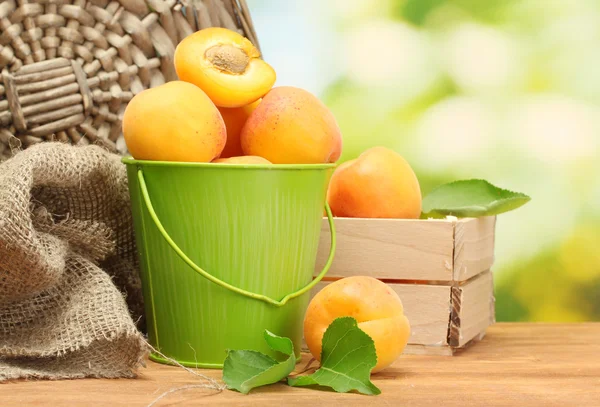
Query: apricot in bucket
x: 235, y: 118
x: 246, y: 159
x: 292, y: 126
x: 225, y: 65
x: 158, y: 126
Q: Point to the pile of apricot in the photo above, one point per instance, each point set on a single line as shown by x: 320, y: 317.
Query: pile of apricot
x: 224, y: 108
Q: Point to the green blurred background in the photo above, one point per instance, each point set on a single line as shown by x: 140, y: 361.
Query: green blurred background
x: 506, y: 90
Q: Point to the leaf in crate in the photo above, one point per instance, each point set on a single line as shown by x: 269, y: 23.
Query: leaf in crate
x: 347, y: 358
x: 244, y: 370
x: 470, y: 198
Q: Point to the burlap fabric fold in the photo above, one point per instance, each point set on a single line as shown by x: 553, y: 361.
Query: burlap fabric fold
x: 69, y: 285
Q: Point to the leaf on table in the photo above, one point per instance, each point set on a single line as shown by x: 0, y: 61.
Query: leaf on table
x: 347, y: 358
x: 470, y: 198
x: 244, y: 370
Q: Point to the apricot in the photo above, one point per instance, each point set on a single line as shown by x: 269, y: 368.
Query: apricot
x: 234, y: 119
x: 375, y: 306
x: 292, y: 126
x: 378, y: 184
x: 246, y: 159
x: 225, y: 65
x: 175, y: 121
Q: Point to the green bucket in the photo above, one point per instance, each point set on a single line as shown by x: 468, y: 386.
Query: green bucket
x: 226, y: 251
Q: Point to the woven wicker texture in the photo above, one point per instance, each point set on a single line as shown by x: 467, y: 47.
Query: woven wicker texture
x: 69, y: 67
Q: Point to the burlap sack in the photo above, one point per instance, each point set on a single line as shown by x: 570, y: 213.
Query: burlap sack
x: 67, y: 262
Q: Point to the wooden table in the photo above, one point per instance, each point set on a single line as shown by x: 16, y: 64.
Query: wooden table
x: 514, y: 365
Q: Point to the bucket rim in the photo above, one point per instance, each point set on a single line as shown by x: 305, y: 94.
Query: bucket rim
x: 321, y: 166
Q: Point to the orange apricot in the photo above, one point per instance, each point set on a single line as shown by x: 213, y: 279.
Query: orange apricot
x: 378, y: 184
x: 245, y: 159
x: 376, y: 307
x: 158, y: 126
x: 292, y: 126
x: 225, y: 65
x: 234, y: 119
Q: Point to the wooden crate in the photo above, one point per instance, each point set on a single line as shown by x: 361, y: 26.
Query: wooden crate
x: 441, y: 269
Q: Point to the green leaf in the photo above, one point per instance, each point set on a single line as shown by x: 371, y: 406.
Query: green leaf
x: 347, y: 358
x: 470, y: 198
x: 244, y: 370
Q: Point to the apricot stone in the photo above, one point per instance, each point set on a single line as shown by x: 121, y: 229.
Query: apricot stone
x: 157, y: 125
x: 375, y: 306
x: 378, y: 184
x: 234, y: 119
x: 292, y: 126
x: 225, y: 65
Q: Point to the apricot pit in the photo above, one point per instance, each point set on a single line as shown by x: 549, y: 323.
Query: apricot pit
x: 228, y: 58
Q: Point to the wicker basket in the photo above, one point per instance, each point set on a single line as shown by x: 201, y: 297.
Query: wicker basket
x: 69, y: 67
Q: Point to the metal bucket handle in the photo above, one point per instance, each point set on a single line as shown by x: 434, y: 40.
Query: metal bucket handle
x: 222, y: 283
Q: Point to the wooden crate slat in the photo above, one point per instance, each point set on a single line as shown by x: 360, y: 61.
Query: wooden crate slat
x: 426, y: 307
x: 401, y: 249
x: 473, y: 246
x: 390, y: 249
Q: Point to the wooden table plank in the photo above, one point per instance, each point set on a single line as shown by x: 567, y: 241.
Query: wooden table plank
x: 515, y: 364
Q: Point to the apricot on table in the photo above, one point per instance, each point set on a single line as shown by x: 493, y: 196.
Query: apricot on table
x: 378, y: 184
x: 245, y: 159
x: 235, y: 118
x: 225, y: 65
x: 375, y: 306
x: 292, y: 126
x: 158, y: 126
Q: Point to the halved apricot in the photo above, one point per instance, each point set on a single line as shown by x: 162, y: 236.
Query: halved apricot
x: 225, y: 65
